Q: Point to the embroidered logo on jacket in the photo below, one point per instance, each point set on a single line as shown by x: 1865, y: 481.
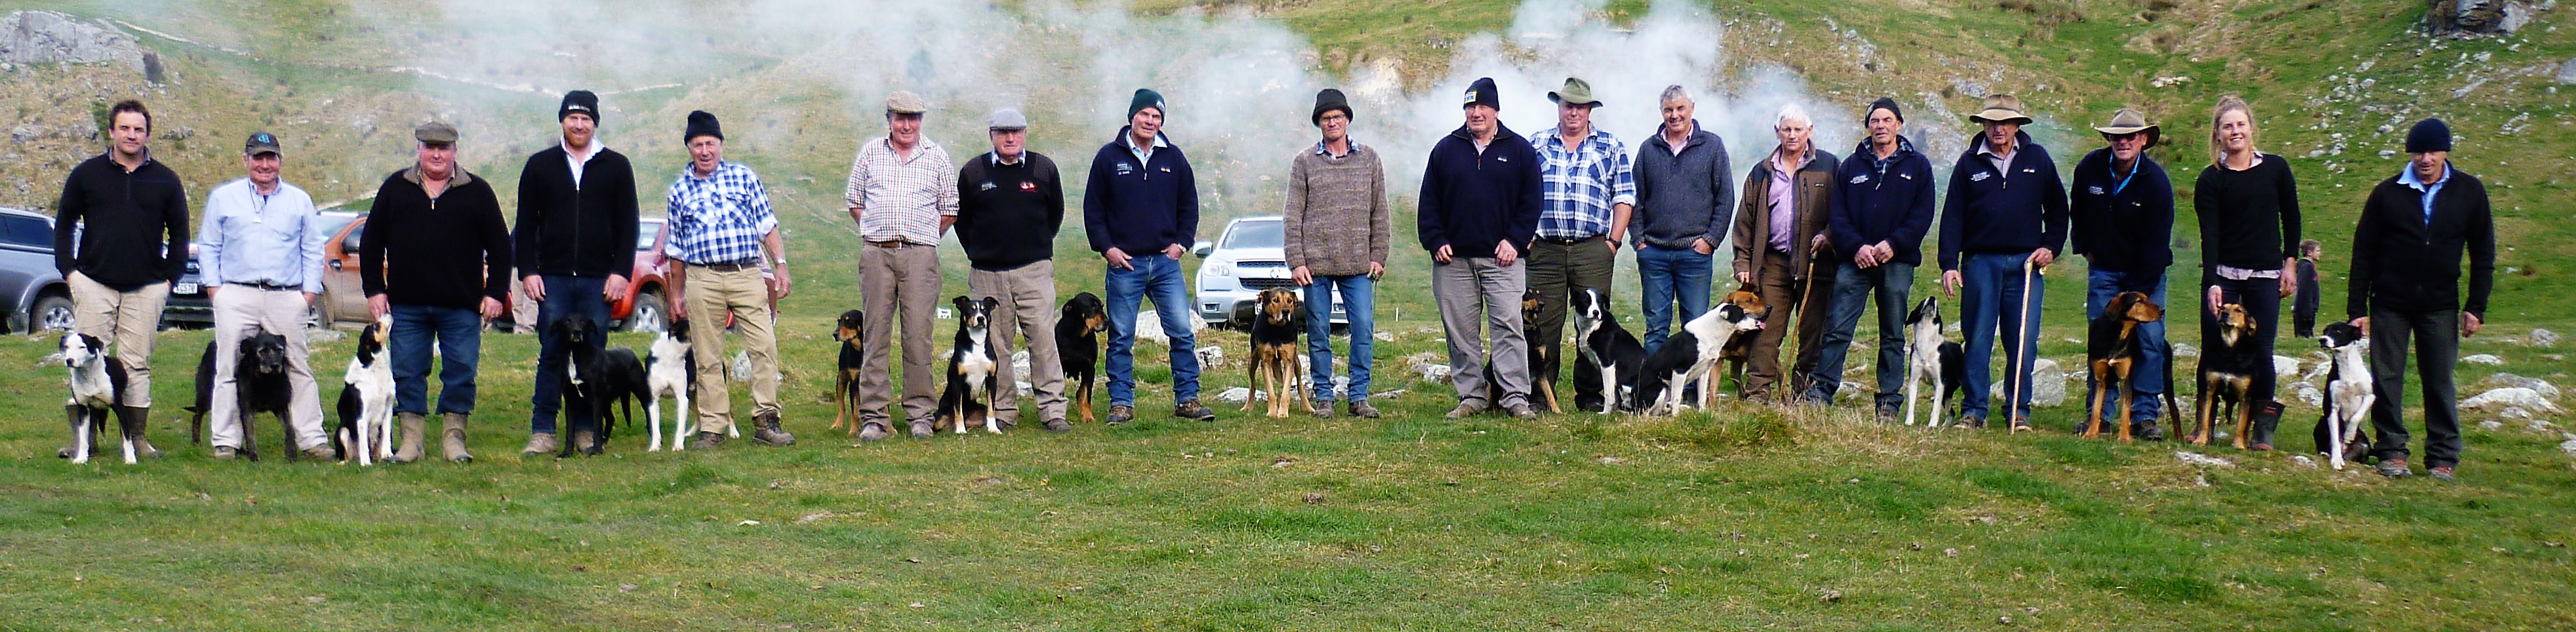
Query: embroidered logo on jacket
x: 1981, y: 176
x: 2095, y: 189
x: 1860, y: 178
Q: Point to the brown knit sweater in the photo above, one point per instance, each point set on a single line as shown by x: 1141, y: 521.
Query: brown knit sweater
x: 1337, y: 213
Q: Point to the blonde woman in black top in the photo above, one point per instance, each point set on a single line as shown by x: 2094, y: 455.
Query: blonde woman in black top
x: 2248, y: 204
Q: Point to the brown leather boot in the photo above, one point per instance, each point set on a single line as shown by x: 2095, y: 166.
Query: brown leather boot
x: 142, y: 417
x: 453, y: 442
x: 414, y: 429
x: 764, y: 429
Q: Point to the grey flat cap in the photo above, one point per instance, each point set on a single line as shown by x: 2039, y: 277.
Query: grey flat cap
x: 1007, y: 119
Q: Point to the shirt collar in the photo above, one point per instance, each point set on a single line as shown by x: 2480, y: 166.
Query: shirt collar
x: 1989, y: 150
x: 2406, y: 176
x: 1322, y: 148
x: 689, y: 171
x: 997, y: 158
x: 595, y: 148
x: 1126, y: 137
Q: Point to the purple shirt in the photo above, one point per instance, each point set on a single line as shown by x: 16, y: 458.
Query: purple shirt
x: 1783, y: 211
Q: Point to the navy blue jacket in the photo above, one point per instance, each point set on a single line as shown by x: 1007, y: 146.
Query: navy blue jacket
x: 2123, y: 228
x: 1875, y: 202
x: 1140, y: 207
x: 2003, y: 213
x: 2404, y: 264
x: 1472, y: 202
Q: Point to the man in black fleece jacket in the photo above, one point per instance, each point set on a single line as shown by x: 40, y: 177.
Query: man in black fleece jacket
x: 2123, y: 213
x: 133, y: 216
x: 2006, y: 206
x: 1882, y: 206
x: 1010, y: 203
x: 575, y: 246
x: 2406, y: 283
x: 436, y: 259
x: 1478, y: 213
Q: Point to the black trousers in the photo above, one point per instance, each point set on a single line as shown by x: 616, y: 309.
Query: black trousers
x: 2262, y: 300
x: 1558, y: 271
x: 2437, y: 347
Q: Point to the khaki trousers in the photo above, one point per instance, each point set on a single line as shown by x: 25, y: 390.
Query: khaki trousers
x: 240, y: 310
x: 1027, y: 298
x: 1480, y: 301
x: 898, y: 282
x: 125, y: 320
x: 1798, y: 301
x: 711, y: 295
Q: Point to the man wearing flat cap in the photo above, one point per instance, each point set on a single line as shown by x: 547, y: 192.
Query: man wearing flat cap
x: 1141, y: 210
x: 1478, y: 212
x: 436, y: 258
x: 723, y: 234
x: 2003, y: 220
x: 1337, y: 229
x: 2406, y: 285
x: 575, y: 238
x: 1588, y: 188
x: 903, y: 197
x: 2122, y: 211
x: 1010, y: 203
x: 259, y: 255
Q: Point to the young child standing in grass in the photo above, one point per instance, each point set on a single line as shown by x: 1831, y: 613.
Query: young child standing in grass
x: 2305, y: 306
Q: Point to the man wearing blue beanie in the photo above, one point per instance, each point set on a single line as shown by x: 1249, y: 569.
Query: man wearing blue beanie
x: 2406, y: 284
x: 1141, y: 210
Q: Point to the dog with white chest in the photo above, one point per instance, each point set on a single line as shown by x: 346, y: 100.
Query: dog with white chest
x: 670, y: 371
x: 2349, y: 394
x: 1933, y: 362
x: 367, y: 400
x: 971, y: 369
x: 1608, y: 348
x: 97, y: 387
x: 1691, y: 355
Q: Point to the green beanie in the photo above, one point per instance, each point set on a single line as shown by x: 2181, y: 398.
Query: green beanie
x: 1146, y: 98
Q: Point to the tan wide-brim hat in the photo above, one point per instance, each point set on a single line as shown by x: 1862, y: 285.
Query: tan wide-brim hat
x: 2128, y: 121
x: 2001, y: 108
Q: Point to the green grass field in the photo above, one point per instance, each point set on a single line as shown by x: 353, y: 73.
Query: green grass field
x: 1742, y: 518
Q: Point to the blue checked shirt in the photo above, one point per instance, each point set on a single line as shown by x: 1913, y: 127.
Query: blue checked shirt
x: 1577, y: 188
x: 719, y: 218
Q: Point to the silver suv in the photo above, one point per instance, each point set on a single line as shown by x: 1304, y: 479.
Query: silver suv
x: 1250, y: 256
x: 31, y: 290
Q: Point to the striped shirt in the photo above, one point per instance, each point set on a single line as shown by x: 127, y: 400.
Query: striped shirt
x: 902, y: 200
x: 720, y: 218
x: 1578, y: 187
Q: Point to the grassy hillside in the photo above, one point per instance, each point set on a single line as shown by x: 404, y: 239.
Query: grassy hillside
x: 1748, y: 518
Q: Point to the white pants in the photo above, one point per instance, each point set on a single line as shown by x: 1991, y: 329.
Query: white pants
x: 238, y: 310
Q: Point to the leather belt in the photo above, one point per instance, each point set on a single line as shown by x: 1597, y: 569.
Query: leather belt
x: 731, y: 266
x: 273, y: 287
x: 1567, y: 241
x: 896, y: 244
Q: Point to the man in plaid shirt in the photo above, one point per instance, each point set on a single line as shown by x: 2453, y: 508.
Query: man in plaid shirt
x: 1587, y: 190
x: 903, y: 196
x: 721, y: 228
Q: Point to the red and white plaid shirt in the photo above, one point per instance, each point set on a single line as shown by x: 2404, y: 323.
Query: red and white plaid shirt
x: 902, y: 200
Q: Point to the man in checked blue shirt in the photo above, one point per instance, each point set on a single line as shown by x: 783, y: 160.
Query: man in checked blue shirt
x: 1586, y: 190
x: 261, y: 259
x: 721, y: 232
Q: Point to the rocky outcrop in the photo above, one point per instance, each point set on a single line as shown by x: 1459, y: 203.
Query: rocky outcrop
x: 40, y: 37
x: 2473, y: 18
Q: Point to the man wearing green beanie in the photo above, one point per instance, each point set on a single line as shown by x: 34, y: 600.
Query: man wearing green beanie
x: 1140, y: 209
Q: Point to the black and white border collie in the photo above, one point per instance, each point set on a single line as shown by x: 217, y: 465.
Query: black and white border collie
x: 1607, y: 348
x: 1691, y: 355
x: 971, y: 370
x: 670, y: 370
x: 97, y: 388
x: 2349, y: 394
x: 1932, y: 362
x: 367, y: 400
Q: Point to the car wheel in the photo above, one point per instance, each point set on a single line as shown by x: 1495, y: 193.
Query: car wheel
x: 51, y: 313
x: 647, y: 316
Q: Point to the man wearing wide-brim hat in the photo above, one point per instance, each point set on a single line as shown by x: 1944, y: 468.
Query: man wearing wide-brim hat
x: 2122, y: 208
x: 1588, y: 187
x: 2003, y: 220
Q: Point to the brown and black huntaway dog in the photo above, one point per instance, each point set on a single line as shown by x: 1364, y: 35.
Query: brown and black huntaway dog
x: 845, y: 397
x: 1274, y: 350
x: 2114, y: 347
x: 1740, y: 348
x: 2227, y: 370
x: 1077, y: 346
x: 1541, y: 393
x: 971, y: 370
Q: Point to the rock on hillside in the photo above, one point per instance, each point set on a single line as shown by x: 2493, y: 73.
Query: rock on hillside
x: 38, y: 37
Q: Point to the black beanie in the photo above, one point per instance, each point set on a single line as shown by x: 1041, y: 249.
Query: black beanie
x: 1883, y: 103
x: 1482, y: 93
x: 1329, y: 100
x: 2429, y: 135
x: 701, y: 124
x: 579, y: 101
x: 1146, y: 98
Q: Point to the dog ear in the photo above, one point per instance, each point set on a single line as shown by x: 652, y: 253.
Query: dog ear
x: 990, y: 303
x: 2146, y: 312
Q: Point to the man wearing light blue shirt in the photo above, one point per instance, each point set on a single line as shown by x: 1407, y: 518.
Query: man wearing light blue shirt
x: 260, y: 253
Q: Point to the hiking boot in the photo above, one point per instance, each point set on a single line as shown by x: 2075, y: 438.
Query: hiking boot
x: 1886, y: 414
x: 1969, y: 422
x: 2266, y: 419
x: 922, y: 430
x: 225, y: 453
x: 1521, y: 411
x: 1192, y: 410
x: 321, y: 453
x: 1360, y: 408
x: 2020, y: 424
x: 707, y: 441
x: 414, y: 429
x: 2445, y: 473
x: 588, y: 442
x: 540, y: 443
x: 452, y: 438
x: 872, y: 431
x: 1121, y: 413
x: 2394, y: 467
x: 142, y: 443
x: 2146, y: 430
x: 1058, y: 425
x: 1468, y: 408
x: 1323, y: 409
x: 764, y: 429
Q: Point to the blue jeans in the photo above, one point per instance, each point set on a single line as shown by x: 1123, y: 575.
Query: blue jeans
x: 459, y: 334
x: 1359, y: 299
x: 2148, y: 375
x: 566, y: 297
x: 1991, y: 284
x: 1670, y: 274
x: 1157, y: 277
x: 1854, y: 286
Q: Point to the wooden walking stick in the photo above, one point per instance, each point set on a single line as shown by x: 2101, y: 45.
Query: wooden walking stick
x: 2030, y: 274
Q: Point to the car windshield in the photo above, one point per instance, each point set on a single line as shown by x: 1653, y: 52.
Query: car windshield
x: 645, y: 233
x: 331, y: 223
x: 1256, y: 234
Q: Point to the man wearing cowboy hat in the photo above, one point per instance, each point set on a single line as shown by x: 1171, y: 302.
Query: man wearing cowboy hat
x: 2122, y: 208
x: 1587, y: 187
x: 2003, y: 219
